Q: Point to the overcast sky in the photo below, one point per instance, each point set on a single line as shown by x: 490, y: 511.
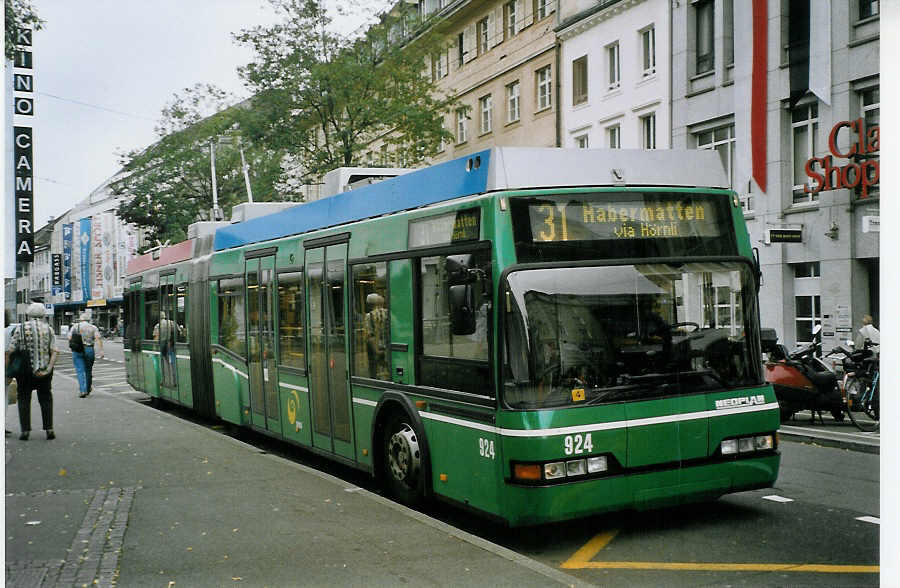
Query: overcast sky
x: 104, y: 69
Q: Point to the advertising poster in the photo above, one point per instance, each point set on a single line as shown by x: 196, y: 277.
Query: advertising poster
x: 84, y: 239
x: 96, y: 258
x: 68, y: 231
x: 108, y: 257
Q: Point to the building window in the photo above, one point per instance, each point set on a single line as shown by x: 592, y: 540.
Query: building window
x: 612, y: 60
x: 614, y: 137
x: 808, y: 314
x: 483, y: 36
x: 868, y: 8
x: 703, y: 13
x: 581, y: 141
x: 443, y: 144
x: 542, y: 8
x: 869, y: 107
x: 460, y: 50
x: 439, y: 65
x: 509, y: 18
x: 723, y: 141
x: 804, y: 126
x: 512, y: 102
x: 809, y: 269
x: 648, y: 44
x: 544, y: 88
x: 648, y: 131
x: 729, y: 32
x: 462, y: 124
x: 580, y: 80
x: 486, y: 107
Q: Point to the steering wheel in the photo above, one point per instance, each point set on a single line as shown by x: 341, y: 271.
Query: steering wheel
x: 674, y: 326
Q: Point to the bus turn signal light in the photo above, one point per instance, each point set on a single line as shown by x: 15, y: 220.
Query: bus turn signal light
x: 527, y: 471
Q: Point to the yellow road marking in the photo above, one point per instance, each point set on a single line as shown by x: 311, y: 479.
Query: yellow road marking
x: 727, y: 567
x: 581, y: 559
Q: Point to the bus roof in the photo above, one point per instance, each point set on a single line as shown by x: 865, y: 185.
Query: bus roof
x: 499, y: 168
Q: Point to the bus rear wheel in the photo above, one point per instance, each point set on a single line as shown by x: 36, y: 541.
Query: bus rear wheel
x: 402, y: 460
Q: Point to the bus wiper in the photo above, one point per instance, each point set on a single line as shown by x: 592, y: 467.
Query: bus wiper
x: 604, y: 394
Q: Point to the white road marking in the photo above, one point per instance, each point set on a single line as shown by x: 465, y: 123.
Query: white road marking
x: 776, y: 498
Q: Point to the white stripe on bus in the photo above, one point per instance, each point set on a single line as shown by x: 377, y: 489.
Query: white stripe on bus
x: 292, y: 387
x: 364, y: 401
x: 597, y: 426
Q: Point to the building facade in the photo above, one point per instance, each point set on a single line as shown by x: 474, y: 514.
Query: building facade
x: 799, y: 138
x: 615, y: 68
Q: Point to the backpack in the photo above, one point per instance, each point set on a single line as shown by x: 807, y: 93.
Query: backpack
x: 19, y: 359
x: 76, y: 343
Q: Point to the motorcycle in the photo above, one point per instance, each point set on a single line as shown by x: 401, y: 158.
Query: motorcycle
x: 858, y: 363
x: 802, y: 381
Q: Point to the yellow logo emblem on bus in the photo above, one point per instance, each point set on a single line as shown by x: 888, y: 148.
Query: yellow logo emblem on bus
x: 577, y: 394
x: 293, y: 405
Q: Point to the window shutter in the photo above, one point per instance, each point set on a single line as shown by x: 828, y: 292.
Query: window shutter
x: 469, y: 43
x: 525, y: 10
x: 497, y: 26
x: 445, y: 63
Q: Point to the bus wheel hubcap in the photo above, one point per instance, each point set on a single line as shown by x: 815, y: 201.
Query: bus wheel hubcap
x: 403, y: 454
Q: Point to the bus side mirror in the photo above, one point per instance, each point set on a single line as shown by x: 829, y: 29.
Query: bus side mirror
x: 462, y: 310
x: 458, y: 269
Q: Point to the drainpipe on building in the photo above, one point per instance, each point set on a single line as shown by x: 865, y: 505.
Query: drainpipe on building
x: 671, y: 76
x: 558, y: 78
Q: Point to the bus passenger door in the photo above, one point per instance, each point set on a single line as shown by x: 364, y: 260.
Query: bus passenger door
x: 261, y: 361
x: 328, y: 374
x: 166, y: 333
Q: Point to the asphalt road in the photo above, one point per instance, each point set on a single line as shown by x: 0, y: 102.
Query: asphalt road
x: 818, y: 526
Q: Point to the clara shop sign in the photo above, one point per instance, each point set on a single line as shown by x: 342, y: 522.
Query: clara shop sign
x: 828, y: 175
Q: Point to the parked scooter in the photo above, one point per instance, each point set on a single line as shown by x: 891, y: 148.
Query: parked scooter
x: 802, y: 381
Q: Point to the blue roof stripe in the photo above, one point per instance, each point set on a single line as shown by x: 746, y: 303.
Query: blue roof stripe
x: 437, y: 183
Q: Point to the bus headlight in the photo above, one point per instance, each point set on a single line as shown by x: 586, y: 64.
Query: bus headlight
x: 576, y: 467
x: 597, y: 464
x: 729, y: 446
x: 554, y: 470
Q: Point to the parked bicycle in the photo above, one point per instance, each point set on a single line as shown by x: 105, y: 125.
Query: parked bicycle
x: 861, y: 388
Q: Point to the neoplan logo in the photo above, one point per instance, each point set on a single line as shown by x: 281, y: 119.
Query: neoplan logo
x: 741, y: 401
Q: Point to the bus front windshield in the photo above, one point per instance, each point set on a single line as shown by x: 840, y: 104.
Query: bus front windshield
x: 592, y: 335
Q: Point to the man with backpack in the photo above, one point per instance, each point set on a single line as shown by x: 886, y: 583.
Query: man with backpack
x: 86, y: 345
x: 35, y: 339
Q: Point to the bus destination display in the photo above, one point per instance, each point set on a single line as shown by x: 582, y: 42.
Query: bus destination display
x: 632, y: 219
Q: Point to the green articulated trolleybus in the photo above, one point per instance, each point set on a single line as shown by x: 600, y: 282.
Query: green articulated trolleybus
x: 535, y: 334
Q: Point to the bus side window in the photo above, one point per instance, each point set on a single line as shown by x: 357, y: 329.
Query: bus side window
x: 371, y: 321
x: 448, y: 360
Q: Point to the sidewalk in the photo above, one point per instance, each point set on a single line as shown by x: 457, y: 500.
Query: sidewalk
x: 131, y: 496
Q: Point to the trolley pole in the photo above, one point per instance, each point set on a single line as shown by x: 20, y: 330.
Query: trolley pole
x: 216, y: 213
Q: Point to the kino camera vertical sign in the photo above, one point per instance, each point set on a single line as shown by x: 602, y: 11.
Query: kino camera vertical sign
x: 23, y: 149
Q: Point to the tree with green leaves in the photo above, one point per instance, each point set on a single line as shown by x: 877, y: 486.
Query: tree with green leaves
x: 168, y: 185
x: 19, y: 15
x: 324, y: 97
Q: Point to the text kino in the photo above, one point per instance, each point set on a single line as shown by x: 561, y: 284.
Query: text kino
x: 864, y: 174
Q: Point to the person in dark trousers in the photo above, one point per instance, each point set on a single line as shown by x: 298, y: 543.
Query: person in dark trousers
x: 36, y: 337
x: 92, y: 348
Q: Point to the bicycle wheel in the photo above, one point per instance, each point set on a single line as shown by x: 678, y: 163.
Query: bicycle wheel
x: 863, y: 412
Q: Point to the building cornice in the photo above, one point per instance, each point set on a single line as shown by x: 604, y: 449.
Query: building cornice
x: 587, y: 19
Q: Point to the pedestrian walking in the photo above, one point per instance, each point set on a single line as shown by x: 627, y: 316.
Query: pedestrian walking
x: 86, y: 345
x: 868, y: 332
x: 35, y: 337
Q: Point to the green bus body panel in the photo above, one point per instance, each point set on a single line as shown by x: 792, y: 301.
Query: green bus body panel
x: 296, y: 422
x: 365, y: 399
x: 523, y: 505
x: 232, y: 389
x: 183, y: 363
x: 456, y: 453
x: 150, y: 359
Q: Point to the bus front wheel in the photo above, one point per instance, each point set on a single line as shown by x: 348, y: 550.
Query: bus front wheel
x: 402, y: 460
